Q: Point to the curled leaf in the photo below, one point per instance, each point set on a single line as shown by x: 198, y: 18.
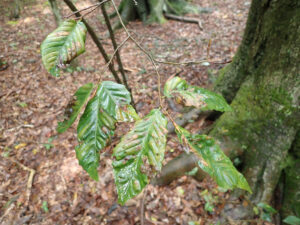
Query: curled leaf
x: 62, y: 45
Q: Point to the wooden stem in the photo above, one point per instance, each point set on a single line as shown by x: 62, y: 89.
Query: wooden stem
x: 115, y: 45
x: 95, y: 39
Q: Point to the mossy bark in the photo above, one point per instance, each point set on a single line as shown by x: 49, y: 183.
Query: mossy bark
x: 152, y: 11
x: 252, y: 49
x: 291, y: 180
x: 266, y: 106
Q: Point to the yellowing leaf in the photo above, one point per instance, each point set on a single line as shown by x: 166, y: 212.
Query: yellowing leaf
x: 63, y: 45
x: 21, y: 145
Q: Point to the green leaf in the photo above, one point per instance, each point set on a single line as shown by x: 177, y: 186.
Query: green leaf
x: 213, y: 160
x: 267, y: 208
x: 75, y: 107
x: 94, y: 130
x: 173, y: 84
x: 62, y: 45
x: 193, y: 172
x: 208, y: 207
x: 113, y: 96
x: 97, y: 124
x: 266, y: 217
x: 139, y: 153
x: 126, y: 114
x: 195, y: 96
x: 212, y: 100
x: 292, y: 220
x: 45, y: 206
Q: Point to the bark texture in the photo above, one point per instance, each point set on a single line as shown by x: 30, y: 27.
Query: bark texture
x: 152, y: 11
x: 266, y: 107
x: 291, y: 177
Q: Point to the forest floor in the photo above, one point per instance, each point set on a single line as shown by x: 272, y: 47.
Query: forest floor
x: 32, y: 102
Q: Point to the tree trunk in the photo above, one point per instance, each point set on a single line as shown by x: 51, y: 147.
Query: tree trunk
x: 55, y: 11
x: 152, y: 11
x: 264, y: 86
x: 291, y: 175
x: 266, y: 106
x: 16, y: 9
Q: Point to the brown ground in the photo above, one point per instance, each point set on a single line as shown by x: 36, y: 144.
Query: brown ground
x: 32, y: 102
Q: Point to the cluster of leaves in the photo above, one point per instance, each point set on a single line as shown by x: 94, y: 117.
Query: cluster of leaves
x: 265, y: 211
x: 140, y: 153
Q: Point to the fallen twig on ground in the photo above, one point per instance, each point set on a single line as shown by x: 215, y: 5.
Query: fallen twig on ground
x: 184, y: 19
x: 30, y: 178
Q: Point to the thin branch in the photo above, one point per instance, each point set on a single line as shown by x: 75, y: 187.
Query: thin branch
x: 95, y: 39
x: 143, y: 50
x: 91, y: 6
x: 112, y: 57
x: 192, y: 62
x: 20, y: 126
x: 116, y: 48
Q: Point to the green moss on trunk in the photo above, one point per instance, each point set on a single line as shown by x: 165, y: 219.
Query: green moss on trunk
x: 291, y: 202
x: 291, y: 177
x: 266, y: 106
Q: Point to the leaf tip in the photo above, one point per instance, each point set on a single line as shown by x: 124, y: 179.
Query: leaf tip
x: 60, y: 128
x: 93, y: 174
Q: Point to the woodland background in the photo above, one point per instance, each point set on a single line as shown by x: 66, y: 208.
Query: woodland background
x: 32, y: 102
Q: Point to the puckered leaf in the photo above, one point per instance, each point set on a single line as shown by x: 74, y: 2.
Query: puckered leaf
x: 74, y: 109
x: 63, y: 45
x: 97, y: 124
x: 212, y: 100
x: 113, y: 96
x: 94, y: 130
x: 174, y: 83
x: 139, y: 153
x: 213, y: 160
x: 195, y: 96
x: 126, y: 114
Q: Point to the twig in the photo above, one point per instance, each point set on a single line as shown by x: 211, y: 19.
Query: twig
x: 95, y: 39
x: 91, y: 6
x: 192, y: 62
x: 113, y: 40
x: 6, y: 213
x: 109, y: 62
x: 184, y: 19
x: 116, y: 50
x: 30, y: 178
x: 143, y: 50
x: 208, y: 48
x: 142, y: 206
x: 18, y: 127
